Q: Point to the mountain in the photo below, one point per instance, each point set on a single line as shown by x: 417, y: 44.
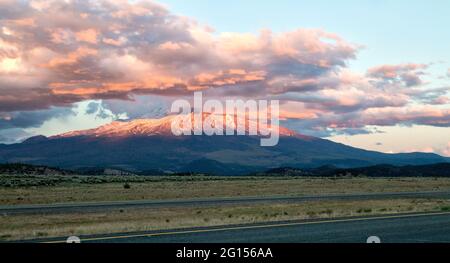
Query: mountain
x: 149, y: 145
x: 162, y: 127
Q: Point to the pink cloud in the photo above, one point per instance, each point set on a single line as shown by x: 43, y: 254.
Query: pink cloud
x: 119, y: 49
x: 88, y: 35
x: 409, y: 74
x: 446, y: 150
x: 164, y: 53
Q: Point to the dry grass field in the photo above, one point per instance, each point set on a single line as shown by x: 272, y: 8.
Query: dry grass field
x: 60, y: 225
x: 16, y: 190
x: 47, y: 189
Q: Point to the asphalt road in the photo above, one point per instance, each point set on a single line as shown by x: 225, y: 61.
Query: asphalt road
x: 103, y: 206
x: 411, y: 228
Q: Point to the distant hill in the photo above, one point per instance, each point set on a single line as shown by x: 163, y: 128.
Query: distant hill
x: 148, y: 145
x: 431, y: 170
x: 103, y: 171
x: 26, y: 169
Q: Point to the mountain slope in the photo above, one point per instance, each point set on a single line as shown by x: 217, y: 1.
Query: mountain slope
x: 148, y: 145
x: 162, y: 127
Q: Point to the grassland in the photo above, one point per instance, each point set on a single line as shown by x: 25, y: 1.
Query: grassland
x: 19, y: 189
x: 62, y: 189
x: 59, y: 225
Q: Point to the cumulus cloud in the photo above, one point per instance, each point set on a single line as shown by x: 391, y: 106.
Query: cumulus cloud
x: 145, y: 106
x: 121, y: 51
x: 111, y: 49
x: 9, y: 136
x: 97, y: 109
x: 27, y: 119
x: 326, y: 123
x: 407, y: 74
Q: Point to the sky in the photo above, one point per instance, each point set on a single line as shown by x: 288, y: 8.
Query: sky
x: 371, y: 74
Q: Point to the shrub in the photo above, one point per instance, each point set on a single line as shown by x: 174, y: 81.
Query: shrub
x: 445, y: 208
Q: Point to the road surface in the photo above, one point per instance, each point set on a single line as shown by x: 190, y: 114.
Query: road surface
x: 103, y: 206
x: 408, y: 228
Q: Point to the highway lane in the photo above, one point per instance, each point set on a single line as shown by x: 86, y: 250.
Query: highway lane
x: 407, y: 228
x: 104, y: 206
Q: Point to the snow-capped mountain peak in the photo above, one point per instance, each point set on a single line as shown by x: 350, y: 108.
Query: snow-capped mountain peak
x: 162, y: 126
